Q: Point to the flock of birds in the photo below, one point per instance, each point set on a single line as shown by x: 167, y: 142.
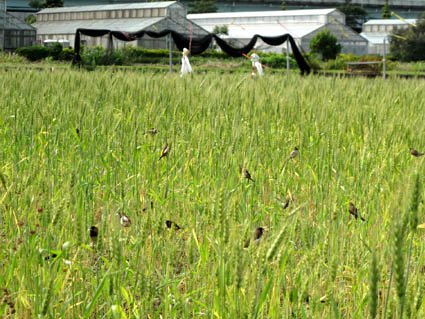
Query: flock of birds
x: 125, y: 221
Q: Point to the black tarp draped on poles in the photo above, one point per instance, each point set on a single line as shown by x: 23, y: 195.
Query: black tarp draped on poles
x: 198, y: 45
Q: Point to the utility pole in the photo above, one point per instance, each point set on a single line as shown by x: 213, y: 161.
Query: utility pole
x: 3, y: 23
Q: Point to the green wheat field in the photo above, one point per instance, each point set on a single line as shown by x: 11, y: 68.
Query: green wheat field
x: 315, y: 259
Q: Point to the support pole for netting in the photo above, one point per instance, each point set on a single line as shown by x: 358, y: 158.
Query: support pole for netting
x: 3, y: 20
x: 110, y: 43
x: 170, y: 53
x: 384, y: 60
x: 287, y: 57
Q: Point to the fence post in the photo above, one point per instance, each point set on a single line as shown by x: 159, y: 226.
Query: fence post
x: 287, y: 57
x: 170, y: 52
x: 384, y: 60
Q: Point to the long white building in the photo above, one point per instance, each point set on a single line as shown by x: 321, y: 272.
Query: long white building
x: 62, y: 23
x: 302, y: 25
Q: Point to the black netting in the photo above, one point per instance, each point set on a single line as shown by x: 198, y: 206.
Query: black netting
x: 197, y: 45
x: 235, y: 52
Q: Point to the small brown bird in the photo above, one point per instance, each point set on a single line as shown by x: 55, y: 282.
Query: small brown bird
x: 124, y: 220
x: 164, y: 151
x: 52, y: 256
x: 145, y: 209
x: 170, y: 224
x: 285, y: 206
x: 258, y: 233
x: 152, y: 131
x: 353, y: 211
x: 415, y: 152
x: 295, y: 152
x: 77, y: 130
x: 248, y: 175
x: 94, y: 231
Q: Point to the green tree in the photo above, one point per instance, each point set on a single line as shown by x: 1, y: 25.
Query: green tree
x: 386, y: 13
x: 326, y: 44
x: 37, y: 4
x: 52, y: 3
x: 409, y: 44
x: 355, y: 16
x: 202, y: 6
x: 221, y: 29
x: 30, y: 19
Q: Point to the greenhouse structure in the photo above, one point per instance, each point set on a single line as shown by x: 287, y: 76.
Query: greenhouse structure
x: 302, y: 25
x: 14, y: 33
x: 62, y: 23
x: 376, y: 30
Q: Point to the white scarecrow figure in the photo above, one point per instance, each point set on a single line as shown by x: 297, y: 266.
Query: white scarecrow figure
x: 256, y: 64
x: 186, y: 68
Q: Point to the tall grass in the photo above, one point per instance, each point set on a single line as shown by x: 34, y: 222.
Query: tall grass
x: 354, y: 138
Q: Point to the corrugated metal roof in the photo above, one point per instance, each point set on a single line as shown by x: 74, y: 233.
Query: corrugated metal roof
x: 124, y: 6
x: 238, y: 31
x: 389, y: 21
x: 282, y: 13
x: 69, y: 27
x: 13, y: 23
x: 375, y: 38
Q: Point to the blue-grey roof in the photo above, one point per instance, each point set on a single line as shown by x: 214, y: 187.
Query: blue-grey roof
x: 13, y: 23
x: 69, y: 27
x: 124, y: 6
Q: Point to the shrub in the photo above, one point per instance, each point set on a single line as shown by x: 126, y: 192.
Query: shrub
x: 221, y: 29
x: 67, y: 54
x: 34, y: 53
x: 55, y: 51
x: 279, y: 61
x: 99, y: 56
x: 339, y: 62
